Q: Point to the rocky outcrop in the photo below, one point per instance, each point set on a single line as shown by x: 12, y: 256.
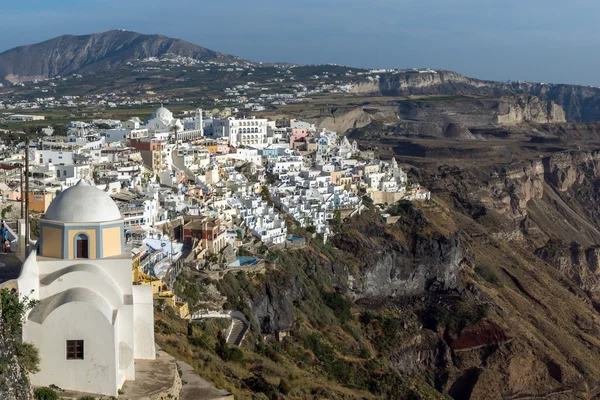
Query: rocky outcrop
x: 273, y: 307
x: 581, y: 265
x: 433, y: 263
x: 440, y: 82
x: 524, y: 108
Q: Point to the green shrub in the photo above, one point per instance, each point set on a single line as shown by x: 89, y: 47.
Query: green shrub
x: 366, y: 317
x: 29, y: 356
x: 259, y: 385
x: 487, y: 273
x: 45, y: 393
x: 227, y: 352
x: 339, y: 304
x: 87, y: 398
x: 284, y: 386
x: 364, y: 352
x: 13, y: 310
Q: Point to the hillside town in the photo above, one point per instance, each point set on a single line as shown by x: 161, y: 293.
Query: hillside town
x: 223, y: 180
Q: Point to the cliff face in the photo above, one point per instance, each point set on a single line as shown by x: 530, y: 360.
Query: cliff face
x: 441, y: 82
x: 434, y: 262
x: 580, y: 103
x: 70, y: 54
x: 519, y: 109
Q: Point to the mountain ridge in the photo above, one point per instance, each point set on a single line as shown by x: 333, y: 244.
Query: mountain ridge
x: 70, y: 54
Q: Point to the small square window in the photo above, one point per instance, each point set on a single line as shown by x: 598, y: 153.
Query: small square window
x: 74, y: 349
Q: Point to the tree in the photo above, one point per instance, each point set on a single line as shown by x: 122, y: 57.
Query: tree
x: 336, y: 222
x: 103, y: 125
x: 59, y: 130
x: 6, y: 210
x: 175, y: 129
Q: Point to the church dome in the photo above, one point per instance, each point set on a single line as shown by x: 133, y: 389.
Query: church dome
x: 83, y: 203
x: 163, y: 114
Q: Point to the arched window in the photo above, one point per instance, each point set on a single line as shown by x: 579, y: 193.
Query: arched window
x: 58, y: 173
x: 82, y: 246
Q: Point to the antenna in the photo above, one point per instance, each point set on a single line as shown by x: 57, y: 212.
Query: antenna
x: 26, y: 194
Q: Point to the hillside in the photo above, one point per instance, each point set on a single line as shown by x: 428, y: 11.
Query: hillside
x: 488, y: 292
x: 69, y: 54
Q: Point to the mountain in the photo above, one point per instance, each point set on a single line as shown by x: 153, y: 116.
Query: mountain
x: 69, y: 54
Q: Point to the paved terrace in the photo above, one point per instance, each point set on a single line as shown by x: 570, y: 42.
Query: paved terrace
x: 10, y: 267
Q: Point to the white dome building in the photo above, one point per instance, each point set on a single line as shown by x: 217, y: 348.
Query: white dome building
x: 91, y: 322
x: 162, y: 120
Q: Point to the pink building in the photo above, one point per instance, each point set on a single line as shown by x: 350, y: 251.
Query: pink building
x: 299, y: 136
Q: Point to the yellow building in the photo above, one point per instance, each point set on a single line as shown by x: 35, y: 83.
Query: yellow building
x: 159, y: 288
x: 40, y: 201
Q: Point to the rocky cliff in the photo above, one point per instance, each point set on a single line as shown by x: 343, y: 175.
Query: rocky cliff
x: 580, y: 103
x: 440, y: 82
x: 518, y: 109
x: 71, y: 54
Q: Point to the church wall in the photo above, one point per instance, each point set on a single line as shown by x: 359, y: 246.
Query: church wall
x: 118, y: 268
x: 97, y: 372
x: 111, y: 241
x: 126, y: 342
x: 92, y: 242
x: 52, y: 245
x: 89, y: 279
x: 143, y: 323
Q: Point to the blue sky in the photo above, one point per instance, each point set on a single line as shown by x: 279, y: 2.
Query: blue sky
x: 537, y: 40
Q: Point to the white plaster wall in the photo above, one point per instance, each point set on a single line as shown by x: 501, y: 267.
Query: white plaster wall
x: 119, y: 268
x: 143, y: 322
x: 97, y: 281
x: 29, y: 279
x: 97, y: 373
x: 126, y: 342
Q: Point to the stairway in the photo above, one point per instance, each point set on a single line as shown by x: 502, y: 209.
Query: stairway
x: 237, y: 332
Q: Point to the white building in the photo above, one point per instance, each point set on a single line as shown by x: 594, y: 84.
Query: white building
x: 162, y: 120
x: 91, y: 322
x: 241, y: 132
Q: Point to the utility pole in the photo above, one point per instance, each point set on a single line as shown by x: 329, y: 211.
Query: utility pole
x: 21, y: 190
x: 26, y: 194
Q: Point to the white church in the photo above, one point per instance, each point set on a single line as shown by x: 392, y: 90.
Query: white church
x: 91, y: 322
x: 162, y: 121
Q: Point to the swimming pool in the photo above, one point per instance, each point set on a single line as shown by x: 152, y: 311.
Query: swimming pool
x: 243, y: 262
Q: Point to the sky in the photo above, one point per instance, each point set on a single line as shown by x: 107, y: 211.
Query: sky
x: 535, y: 40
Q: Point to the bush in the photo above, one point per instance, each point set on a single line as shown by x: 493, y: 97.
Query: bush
x: 228, y: 353
x: 45, y: 393
x: 340, y: 306
x: 29, y: 357
x: 284, y: 386
x: 366, y: 317
x: 259, y: 385
x: 13, y: 310
x: 87, y: 398
x: 487, y: 273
